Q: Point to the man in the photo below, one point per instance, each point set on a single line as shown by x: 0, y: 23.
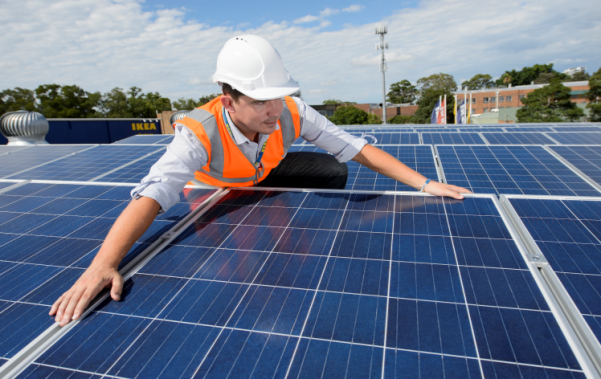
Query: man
x: 238, y: 139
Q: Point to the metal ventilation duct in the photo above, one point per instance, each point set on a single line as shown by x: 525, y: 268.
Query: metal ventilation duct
x: 24, y: 128
x: 178, y: 116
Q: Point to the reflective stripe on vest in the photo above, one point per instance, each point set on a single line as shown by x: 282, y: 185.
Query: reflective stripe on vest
x: 206, y: 123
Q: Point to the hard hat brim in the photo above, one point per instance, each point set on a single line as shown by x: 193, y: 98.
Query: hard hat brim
x: 270, y: 93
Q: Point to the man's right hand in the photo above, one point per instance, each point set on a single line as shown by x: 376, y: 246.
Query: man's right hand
x: 73, y: 303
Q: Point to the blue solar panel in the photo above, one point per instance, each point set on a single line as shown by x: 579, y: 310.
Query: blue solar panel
x: 540, y: 129
x: 48, y: 234
x: 489, y: 129
x: 419, y: 158
x: 452, y: 139
x: 88, y: 164
x: 134, y: 172
x: 283, y: 284
x: 396, y: 138
x: 157, y: 139
x: 511, y: 138
x: 577, y: 138
x: 568, y: 232
x: 436, y: 130
x: 37, y: 155
x: 585, y: 158
x: 510, y: 170
x: 577, y: 129
x: 4, y: 149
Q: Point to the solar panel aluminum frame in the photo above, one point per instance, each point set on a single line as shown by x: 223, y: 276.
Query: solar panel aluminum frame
x: 129, y: 163
x: 484, y: 139
x: 546, y: 134
x: 590, y: 345
x: 22, y: 148
x: 19, y: 362
x: 17, y: 183
x: 585, y: 177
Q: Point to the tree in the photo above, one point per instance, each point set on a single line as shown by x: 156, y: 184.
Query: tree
x: 349, y: 115
x: 479, y: 81
x: 552, y: 103
x: 426, y: 104
x: 114, y: 104
x: 58, y: 101
x: 545, y: 77
x: 401, y: 119
x: 189, y: 104
x: 402, y: 92
x: 527, y: 75
x: 436, y: 82
x: 16, y: 100
x: 594, y: 96
x: 337, y: 102
x: 579, y: 76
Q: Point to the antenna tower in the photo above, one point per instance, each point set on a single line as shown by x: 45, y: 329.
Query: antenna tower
x: 381, y: 30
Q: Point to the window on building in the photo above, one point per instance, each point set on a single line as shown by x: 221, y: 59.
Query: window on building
x: 493, y: 99
x: 474, y: 100
x: 485, y: 110
x: 509, y: 99
x: 472, y: 111
x: 501, y: 99
x: 485, y: 100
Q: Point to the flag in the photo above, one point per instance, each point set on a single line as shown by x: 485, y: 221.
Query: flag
x: 461, y: 116
x: 434, y: 119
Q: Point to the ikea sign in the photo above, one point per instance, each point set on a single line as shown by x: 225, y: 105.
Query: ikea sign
x: 135, y: 126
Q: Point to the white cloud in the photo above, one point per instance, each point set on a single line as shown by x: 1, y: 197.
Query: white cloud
x: 353, y: 8
x: 200, y: 82
x: 307, y: 18
x: 318, y: 91
x: 329, y: 83
x: 328, y: 12
x: 102, y: 44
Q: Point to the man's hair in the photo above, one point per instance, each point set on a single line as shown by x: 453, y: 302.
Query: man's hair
x: 229, y: 90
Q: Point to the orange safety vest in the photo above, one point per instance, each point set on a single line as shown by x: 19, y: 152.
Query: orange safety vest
x: 227, y: 165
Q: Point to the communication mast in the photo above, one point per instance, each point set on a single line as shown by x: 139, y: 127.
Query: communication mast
x: 381, y: 30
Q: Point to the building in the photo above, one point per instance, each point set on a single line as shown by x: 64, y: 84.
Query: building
x: 507, y: 100
x: 572, y: 71
x: 392, y: 110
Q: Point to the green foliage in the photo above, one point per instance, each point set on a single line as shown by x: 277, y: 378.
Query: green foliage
x: 57, y: 101
x: 444, y: 82
x: 402, y: 92
x: 337, y: 102
x: 479, y: 81
x: 545, y: 77
x: 527, y: 75
x: 133, y: 104
x: 17, y: 99
x: 401, y: 119
x: 594, y: 96
x: 431, y: 89
x: 552, y: 103
x: 349, y: 115
x: 189, y: 104
x: 579, y: 76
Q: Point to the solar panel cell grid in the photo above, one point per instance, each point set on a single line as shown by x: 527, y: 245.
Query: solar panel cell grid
x: 159, y: 139
x: 568, y: 233
x: 278, y: 292
x: 44, y: 248
x: 134, y: 172
x: 25, y: 159
x: 89, y: 164
x: 577, y: 138
x: 392, y: 138
x: 587, y: 159
x: 576, y: 128
x: 510, y: 170
x: 511, y: 138
x: 452, y: 139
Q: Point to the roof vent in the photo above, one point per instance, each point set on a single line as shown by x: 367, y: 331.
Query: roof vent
x: 24, y: 128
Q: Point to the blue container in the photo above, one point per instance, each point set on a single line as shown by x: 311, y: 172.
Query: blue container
x: 99, y: 130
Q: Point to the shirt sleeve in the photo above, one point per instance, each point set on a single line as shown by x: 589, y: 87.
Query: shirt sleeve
x: 321, y: 132
x: 169, y: 175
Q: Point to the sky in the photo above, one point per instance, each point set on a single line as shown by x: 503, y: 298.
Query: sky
x: 327, y: 46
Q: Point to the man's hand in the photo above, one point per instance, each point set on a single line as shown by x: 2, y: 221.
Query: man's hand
x: 73, y: 303
x: 448, y: 190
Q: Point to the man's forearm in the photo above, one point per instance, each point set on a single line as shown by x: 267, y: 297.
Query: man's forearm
x: 385, y: 164
x: 129, y: 227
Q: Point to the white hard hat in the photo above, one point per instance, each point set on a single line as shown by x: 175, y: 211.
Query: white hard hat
x: 251, y: 65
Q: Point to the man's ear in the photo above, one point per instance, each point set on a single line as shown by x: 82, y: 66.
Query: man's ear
x: 228, y: 103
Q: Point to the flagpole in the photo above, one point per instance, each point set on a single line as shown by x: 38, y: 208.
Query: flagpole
x: 439, y: 105
x: 469, y: 115
x: 455, y: 109
x: 445, y: 109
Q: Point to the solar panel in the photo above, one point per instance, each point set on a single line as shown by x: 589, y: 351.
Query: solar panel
x: 511, y: 138
x: 4, y: 149
x: 587, y: 159
x: 308, y: 285
x: 577, y: 138
x: 419, y: 158
x: 157, y: 139
x: 532, y: 129
x: 393, y: 138
x: 452, y: 139
x: 510, y: 170
x: 48, y: 234
x: 567, y: 232
x: 436, y: 130
x: 489, y: 129
x: 577, y: 128
x: 132, y: 173
x: 25, y: 159
x: 88, y: 164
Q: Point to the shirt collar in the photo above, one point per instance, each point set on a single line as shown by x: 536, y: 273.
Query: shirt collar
x: 240, y: 138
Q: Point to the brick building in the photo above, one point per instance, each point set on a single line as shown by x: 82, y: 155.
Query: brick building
x: 488, y: 99
x: 391, y: 110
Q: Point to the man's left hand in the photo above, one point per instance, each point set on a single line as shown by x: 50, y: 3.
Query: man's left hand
x: 448, y: 190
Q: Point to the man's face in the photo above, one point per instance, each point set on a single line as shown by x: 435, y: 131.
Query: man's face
x: 257, y: 115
